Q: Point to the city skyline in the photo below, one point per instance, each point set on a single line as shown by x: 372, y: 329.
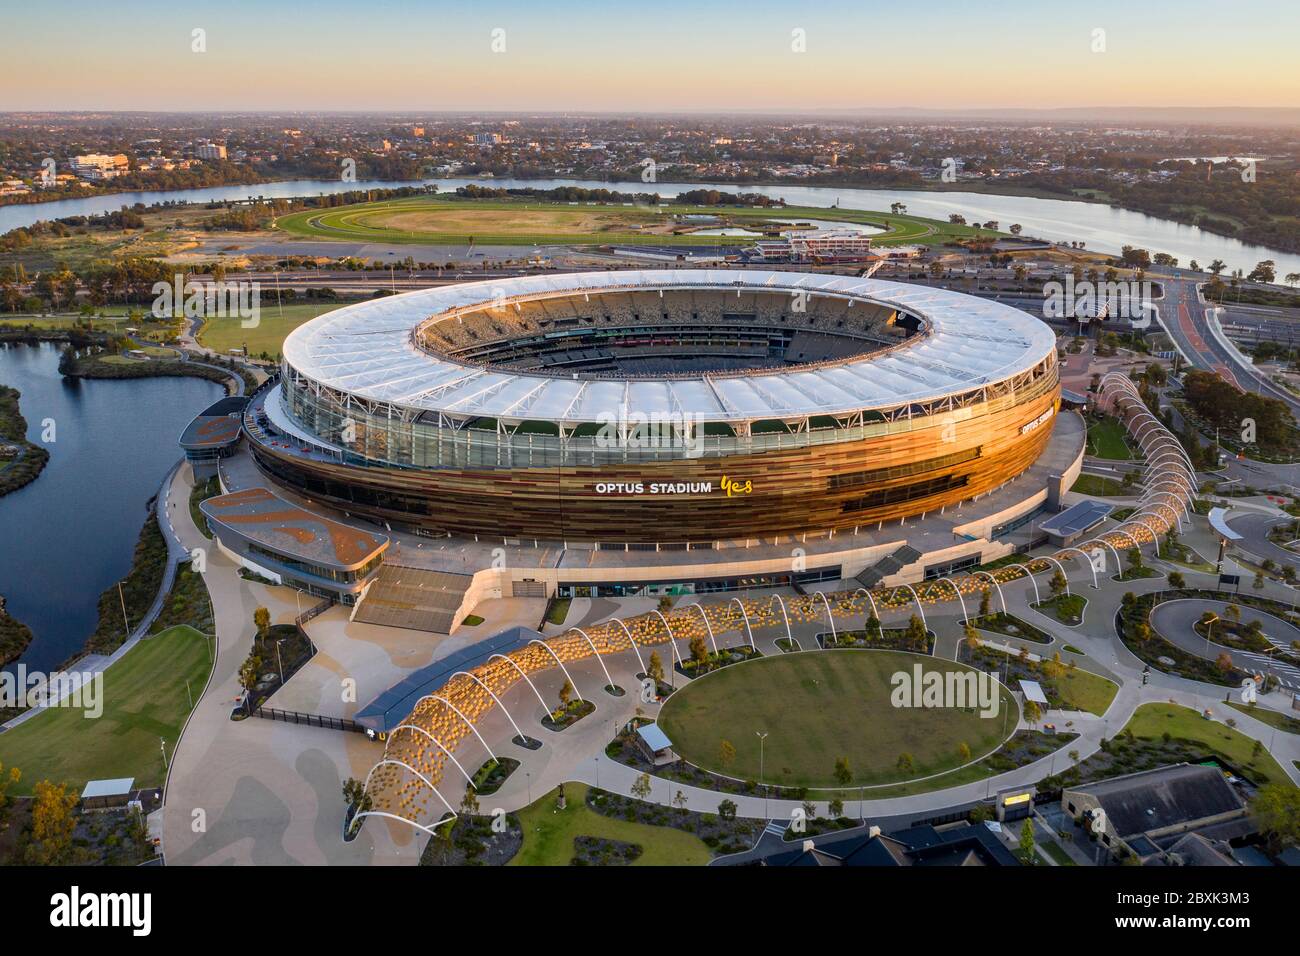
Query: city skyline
x: 581, y: 56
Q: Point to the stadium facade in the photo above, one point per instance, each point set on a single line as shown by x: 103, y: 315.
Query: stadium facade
x: 653, y: 408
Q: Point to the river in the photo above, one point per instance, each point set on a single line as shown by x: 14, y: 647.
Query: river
x: 70, y: 534
x: 1101, y: 227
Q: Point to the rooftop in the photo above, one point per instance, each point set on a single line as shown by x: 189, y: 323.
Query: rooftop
x: 368, y: 350
x: 283, y: 527
x: 218, y: 424
x: 1164, y: 797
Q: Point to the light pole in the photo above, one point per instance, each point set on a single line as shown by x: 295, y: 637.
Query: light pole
x: 280, y: 660
x: 762, y: 736
x: 162, y: 746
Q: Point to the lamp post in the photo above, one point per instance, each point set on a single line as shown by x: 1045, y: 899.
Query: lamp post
x: 762, y: 736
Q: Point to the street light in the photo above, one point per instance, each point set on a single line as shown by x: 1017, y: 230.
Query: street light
x: 762, y: 736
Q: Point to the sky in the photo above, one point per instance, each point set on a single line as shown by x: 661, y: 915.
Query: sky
x: 666, y: 55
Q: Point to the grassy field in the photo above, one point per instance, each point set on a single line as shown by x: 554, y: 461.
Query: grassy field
x: 274, y: 324
x: 1082, y: 690
x: 1282, y: 722
x: 817, y: 707
x: 144, y: 699
x: 1097, y: 485
x: 1154, y: 720
x: 549, y: 834
x: 1107, y: 438
x: 450, y: 220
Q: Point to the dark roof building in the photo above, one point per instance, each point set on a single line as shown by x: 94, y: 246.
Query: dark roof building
x: 963, y: 845
x: 1140, y: 812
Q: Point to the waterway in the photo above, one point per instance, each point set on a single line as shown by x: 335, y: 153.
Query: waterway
x: 1102, y: 228
x: 70, y: 534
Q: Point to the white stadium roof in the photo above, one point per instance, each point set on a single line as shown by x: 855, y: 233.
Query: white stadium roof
x: 368, y: 350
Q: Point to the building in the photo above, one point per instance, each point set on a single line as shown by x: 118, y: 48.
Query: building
x: 1146, y: 814
x: 209, y: 151
x: 288, y: 545
x: 98, y: 166
x: 212, y: 435
x: 651, y: 409
x: 961, y: 845
x: 487, y: 139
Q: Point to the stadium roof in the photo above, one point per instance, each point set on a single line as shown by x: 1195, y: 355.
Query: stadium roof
x: 368, y: 350
x: 216, y: 425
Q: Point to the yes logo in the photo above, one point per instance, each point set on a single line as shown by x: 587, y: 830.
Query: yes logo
x: 735, y: 487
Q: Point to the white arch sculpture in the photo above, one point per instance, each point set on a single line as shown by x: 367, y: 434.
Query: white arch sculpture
x: 1087, y: 560
x: 609, y: 681
x: 365, y: 787
x: 788, y: 636
x: 830, y: 617
x: 631, y: 640
x: 563, y: 669
x: 515, y: 664
x: 1038, y: 599
x: 749, y: 631
x: 504, y: 709
x: 965, y: 615
x: 450, y: 756
x: 1061, y: 567
x: 456, y: 710
x: 1001, y: 598
x: 707, y: 626
x: 916, y: 599
x: 672, y: 638
x: 1119, y: 565
x: 874, y: 610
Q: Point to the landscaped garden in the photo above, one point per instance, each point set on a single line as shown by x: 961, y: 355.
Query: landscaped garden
x: 1065, y: 685
x: 820, y: 708
x: 1009, y: 625
x: 1066, y: 608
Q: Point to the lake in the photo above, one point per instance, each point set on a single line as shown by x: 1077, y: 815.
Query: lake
x: 70, y: 534
x: 1101, y: 227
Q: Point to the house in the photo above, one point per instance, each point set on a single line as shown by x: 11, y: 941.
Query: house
x: 959, y: 845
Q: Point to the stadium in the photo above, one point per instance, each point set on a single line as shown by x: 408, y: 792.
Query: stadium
x: 657, y: 409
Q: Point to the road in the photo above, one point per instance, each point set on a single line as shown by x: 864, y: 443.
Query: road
x: 1189, y: 323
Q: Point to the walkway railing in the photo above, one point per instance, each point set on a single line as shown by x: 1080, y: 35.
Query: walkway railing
x: 311, y: 720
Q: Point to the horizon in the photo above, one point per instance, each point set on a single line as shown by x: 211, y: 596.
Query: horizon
x: 405, y: 56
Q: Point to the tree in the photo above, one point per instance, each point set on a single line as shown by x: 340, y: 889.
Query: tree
x: 699, y: 650
x: 986, y: 601
x: 1176, y: 579
x: 1276, y: 811
x: 566, y: 694
x: 261, y: 620
x: 469, y: 802
x: 52, y: 824
x: 1033, y: 713
x: 665, y: 604
x: 6, y: 781
x: 727, y: 810
x: 726, y: 753
x: 680, y: 800
x: 835, y: 808
x: 971, y: 636
x: 655, y: 669
x: 1259, y: 580
x: 641, y: 787
x: 843, y: 773
x: 916, y: 638
x: 1141, y: 632
x: 963, y: 752
x: 1057, y: 584
x: 905, y: 763
x: 1134, y: 559
x: 250, y: 671
x: 1027, y: 842
x: 1224, y: 662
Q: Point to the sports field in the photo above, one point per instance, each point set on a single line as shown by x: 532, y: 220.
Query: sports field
x: 274, y: 324
x: 145, y: 702
x: 819, y: 706
x: 449, y: 220
x: 1107, y: 438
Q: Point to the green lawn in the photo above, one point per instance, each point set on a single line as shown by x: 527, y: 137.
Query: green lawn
x: 1282, y: 722
x: 1154, y: 720
x: 144, y: 699
x: 1082, y: 690
x: 1058, y: 855
x: 1098, y: 485
x: 451, y: 220
x: 1107, y: 438
x: 1066, y: 608
x: 821, y: 705
x: 273, y: 326
x: 549, y: 834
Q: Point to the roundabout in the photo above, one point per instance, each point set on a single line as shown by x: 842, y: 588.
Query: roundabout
x: 819, y: 706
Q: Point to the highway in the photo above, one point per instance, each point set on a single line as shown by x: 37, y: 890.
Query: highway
x: 1187, y: 320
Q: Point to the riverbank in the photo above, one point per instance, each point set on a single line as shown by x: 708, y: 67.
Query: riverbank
x: 106, y: 366
x: 20, y: 460
x: 14, y: 638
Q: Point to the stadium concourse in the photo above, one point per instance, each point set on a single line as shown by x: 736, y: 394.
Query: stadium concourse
x: 492, y: 701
